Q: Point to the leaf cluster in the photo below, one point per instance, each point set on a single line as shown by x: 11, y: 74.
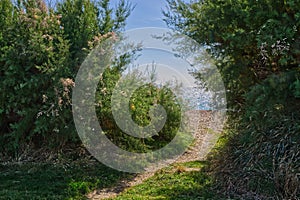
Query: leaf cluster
x: 41, y: 50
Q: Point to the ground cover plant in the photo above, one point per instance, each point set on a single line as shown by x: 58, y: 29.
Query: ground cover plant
x: 70, y: 180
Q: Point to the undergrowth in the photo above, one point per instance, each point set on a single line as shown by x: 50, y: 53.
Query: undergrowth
x: 259, y: 154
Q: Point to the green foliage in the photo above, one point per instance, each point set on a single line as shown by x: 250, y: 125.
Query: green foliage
x: 32, y: 71
x: 6, y: 19
x: 256, y: 48
x: 149, y: 95
x: 295, y: 87
x: 39, y: 56
x: 113, y: 20
x: 84, y: 19
x: 249, y: 39
x: 79, y: 20
x: 140, y: 103
x: 267, y: 101
x: 265, y: 141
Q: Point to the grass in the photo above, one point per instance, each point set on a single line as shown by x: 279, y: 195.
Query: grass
x: 54, y: 181
x: 73, y: 181
x: 175, y: 182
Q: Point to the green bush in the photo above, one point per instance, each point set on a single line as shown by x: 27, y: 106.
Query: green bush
x: 32, y: 90
x: 264, y: 41
x: 262, y: 149
x: 140, y: 103
x: 40, y: 53
x: 255, y: 45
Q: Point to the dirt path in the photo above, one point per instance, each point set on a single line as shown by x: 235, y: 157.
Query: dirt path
x: 203, y: 122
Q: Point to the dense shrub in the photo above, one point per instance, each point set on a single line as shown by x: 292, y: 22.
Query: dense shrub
x: 41, y: 51
x: 255, y: 45
x: 262, y: 154
x: 140, y: 103
x: 33, y: 67
x: 249, y: 40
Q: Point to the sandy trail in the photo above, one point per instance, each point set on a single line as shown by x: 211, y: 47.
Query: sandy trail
x: 207, y: 127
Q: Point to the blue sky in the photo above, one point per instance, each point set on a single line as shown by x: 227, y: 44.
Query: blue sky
x: 147, y: 13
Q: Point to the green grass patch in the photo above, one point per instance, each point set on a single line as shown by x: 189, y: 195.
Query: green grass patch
x: 75, y: 180
x: 169, y: 183
x: 54, y: 181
